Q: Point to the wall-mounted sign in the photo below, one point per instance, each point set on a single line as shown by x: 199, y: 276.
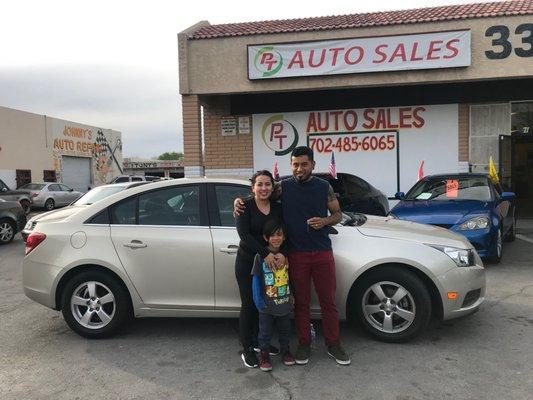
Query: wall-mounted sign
x: 245, y: 125
x: 228, y: 126
x: 350, y: 56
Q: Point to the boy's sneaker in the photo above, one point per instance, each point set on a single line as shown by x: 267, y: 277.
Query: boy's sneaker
x: 337, y: 352
x: 264, y: 361
x: 272, y: 350
x: 302, y: 354
x: 288, y: 358
x: 250, y: 358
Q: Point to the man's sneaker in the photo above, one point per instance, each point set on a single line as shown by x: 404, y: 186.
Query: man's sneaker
x: 264, y: 361
x: 337, y: 352
x: 288, y: 358
x: 272, y: 350
x: 302, y: 354
x: 250, y: 358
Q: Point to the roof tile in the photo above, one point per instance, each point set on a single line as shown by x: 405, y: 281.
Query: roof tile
x: 418, y: 15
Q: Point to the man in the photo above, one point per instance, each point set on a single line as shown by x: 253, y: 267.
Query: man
x: 306, y: 202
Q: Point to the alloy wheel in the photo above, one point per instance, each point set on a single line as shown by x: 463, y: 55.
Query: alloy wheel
x: 389, y: 307
x: 6, y: 232
x: 93, y: 305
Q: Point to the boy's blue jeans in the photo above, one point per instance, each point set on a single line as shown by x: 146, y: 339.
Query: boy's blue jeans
x: 266, y: 329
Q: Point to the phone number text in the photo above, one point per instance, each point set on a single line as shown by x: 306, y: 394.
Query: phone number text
x: 353, y: 143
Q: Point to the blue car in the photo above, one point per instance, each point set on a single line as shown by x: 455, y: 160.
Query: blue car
x: 469, y: 204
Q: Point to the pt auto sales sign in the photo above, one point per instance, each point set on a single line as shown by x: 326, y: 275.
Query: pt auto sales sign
x: 351, y: 56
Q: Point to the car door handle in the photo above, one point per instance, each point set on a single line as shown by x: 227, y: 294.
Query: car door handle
x: 231, y: 249
x: 135, y: 244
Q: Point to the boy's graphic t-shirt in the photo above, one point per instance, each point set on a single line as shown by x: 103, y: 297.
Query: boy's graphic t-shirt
x: 275, y: 284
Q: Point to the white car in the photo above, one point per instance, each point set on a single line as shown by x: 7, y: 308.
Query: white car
x: 168, y: 249
x: 50, y: 195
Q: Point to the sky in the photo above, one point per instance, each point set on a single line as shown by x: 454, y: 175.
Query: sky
x: 114, y: 64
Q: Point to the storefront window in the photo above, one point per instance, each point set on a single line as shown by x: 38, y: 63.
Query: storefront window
x: 521, y: 118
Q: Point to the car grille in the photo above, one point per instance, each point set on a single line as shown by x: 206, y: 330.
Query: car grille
x: 471, y: 297
x: 446, y: 226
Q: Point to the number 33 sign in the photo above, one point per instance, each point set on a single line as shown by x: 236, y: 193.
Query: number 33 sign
x: 503, y: 47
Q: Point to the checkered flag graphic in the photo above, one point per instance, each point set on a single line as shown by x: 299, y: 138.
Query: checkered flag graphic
x: 101, y: 141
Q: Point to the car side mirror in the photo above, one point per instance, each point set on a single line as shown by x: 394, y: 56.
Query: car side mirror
x: 4, y: 189
x: 508, y: 195
x: 399, y: 195
x: 71, y: 190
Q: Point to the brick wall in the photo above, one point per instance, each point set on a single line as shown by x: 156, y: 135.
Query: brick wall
x: 192, y: 141
x: 464, y: 128
x: 224, y: 152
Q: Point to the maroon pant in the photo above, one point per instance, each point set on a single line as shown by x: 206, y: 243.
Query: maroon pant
x: 319, y: 266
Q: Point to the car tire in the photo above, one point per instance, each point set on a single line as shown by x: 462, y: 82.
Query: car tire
x: 8, y: 230
x: 381, y: 314
x: 498, y: 248
x: 94, y: 304
x: 49, y: 204
x: 26, y: 206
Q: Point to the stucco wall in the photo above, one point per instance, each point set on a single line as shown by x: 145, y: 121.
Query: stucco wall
x: 218, y: 66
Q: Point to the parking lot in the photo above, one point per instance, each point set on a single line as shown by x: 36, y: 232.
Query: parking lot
x: 485, y: 356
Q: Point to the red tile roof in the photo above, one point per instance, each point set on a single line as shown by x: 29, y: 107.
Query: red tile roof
x: 418, y: 15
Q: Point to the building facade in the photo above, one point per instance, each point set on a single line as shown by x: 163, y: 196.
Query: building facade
x: 444, y: 87
x: 38, y: 148
x: 162, y: 168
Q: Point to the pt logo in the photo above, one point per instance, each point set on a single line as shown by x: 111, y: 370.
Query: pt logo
x: 279, y: 135
x: 268, y: 61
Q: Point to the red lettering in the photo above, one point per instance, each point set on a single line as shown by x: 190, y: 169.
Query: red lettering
x: 312, y: 56
x: 350, y: 126
x: 413, y: 53
x: 268, y: 59
x: 390, y: 125
x: 349, y: 51
x: 405, y: 117
x: 453, y: 49
x: 380, y: 53
x: 418, y: 119
x: 297, y: 58
x: 335, y: 51
x: 434, y: 48
x: 311, y: 123
x: 369, y: 119
x: 326, y: 122
x: 399, y: 52
x: 381, y: 122
x: 336, y: 114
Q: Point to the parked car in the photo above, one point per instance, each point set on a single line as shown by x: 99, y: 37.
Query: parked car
x: 92, y: 196
x: 49, y: 195
x: 356, y: 195
x: 468, y: 204
x: 167, y: 249
x: 22, y: 196
x: 12, y: 220
x: 135, y: 178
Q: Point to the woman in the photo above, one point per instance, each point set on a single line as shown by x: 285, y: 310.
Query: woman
x: 259, y: 209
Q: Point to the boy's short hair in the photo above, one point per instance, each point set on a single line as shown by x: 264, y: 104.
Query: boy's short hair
x: 303, y: 151
x: 272, y: 226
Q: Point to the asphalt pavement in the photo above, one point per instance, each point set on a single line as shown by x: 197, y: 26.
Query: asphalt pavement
x: 488, y: 355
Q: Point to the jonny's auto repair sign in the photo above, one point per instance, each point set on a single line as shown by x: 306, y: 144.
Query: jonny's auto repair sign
x: 350, y: 56
x: 385, y: 145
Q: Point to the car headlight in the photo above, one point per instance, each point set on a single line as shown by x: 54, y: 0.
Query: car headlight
x: 461, y: 257
x: 475, y: 223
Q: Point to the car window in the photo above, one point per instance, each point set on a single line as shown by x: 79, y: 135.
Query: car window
x: 136, y: 179
x: 64, y: 188
x: 54, y: 188
x: 226, y: 194
x: 125, y: 212
x: 121, y: 179
x: 97, y: 194
x: 178, y: 205
x: 451, y: 188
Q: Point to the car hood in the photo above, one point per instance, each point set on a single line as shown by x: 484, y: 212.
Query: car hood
x: 391, y: 228
x: 439, y: 212
x: 57, y: 215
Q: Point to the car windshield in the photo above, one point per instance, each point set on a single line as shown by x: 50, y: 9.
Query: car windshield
x: 33, y: 186
x: 97, y: 194
x: 450, y: 189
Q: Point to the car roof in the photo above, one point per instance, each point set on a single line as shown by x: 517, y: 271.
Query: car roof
x: 458, y: 175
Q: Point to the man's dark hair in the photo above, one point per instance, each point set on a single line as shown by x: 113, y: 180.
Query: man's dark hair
x: 303, y: 151
x: 272, y: 226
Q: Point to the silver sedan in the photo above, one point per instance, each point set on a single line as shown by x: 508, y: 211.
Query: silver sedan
x: 50, y: 195
x: 167, y: 249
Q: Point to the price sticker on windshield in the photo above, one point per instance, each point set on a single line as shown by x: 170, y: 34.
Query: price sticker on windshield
x: 452, y: 187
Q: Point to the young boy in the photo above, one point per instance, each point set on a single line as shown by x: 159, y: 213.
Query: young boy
x: 272, y: 298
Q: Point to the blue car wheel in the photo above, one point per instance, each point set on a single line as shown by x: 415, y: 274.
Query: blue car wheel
x: 497, y: 248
